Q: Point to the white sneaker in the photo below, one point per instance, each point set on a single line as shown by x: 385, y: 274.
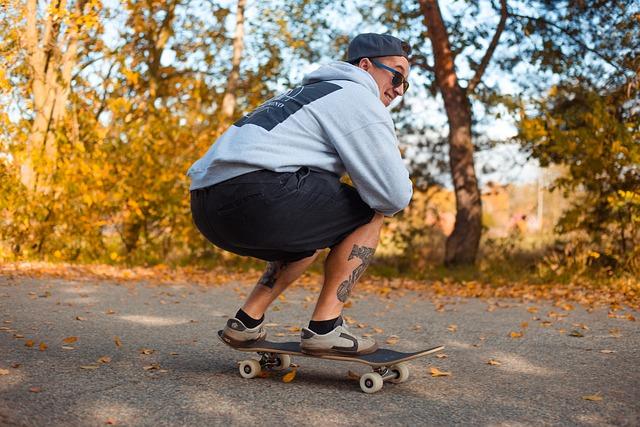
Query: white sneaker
x: 339, y: 341
x: 237, y: 334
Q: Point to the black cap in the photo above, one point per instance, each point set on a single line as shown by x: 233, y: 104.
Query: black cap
x: 371, y: 45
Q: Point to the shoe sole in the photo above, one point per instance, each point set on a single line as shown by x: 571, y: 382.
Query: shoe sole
x: 330, y: 352
x: 237, y: 343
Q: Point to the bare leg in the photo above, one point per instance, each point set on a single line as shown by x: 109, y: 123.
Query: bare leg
x: 276, y: 278
x: 343, y: 267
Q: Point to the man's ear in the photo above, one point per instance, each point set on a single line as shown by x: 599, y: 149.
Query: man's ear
x: 364, y: 63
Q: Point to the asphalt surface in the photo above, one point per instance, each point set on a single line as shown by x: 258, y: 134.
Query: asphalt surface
x: 188, y: 377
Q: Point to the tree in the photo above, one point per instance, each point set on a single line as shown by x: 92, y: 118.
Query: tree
x: 462, y: 244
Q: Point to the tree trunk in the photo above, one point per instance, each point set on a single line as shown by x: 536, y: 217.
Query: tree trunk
x: 51, y: 73
x: 229, y: 100
x: 462, y: 244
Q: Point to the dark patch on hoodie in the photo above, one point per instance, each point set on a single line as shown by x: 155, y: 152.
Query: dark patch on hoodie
x: 278, y: 109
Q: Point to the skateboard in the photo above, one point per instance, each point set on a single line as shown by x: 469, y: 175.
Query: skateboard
x: 388, y: 365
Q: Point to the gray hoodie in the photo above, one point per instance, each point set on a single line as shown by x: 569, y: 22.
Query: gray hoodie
x: 334, y: 122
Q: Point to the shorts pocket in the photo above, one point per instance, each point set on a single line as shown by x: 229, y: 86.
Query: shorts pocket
x: 238, y: 205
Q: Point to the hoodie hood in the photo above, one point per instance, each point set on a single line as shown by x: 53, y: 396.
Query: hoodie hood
x: 340, y: 70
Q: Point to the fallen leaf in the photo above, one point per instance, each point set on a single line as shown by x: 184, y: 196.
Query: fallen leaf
x: 581, y: 325
x: 606, y: 351
x: 417, y: 327
x: 18, y: 336
x: 352, y: 375
x: 293, y: 329
x: 630, y: 317
x: 110, y: 421
x: 80, y: 318
x: 69, y: 340
x: 361, y: 325
x: 441, y: 356
x: 35, y: 389
x: 524, y: 325
x: 545, y: 323
x: 378, y: 330
x: 532, y: 309
x: 117, y: 341
x: 287, y: 378
x: 576, y: 333
x: 452, y: 328
x: 110, y: 312
x: 42, y: 346
x: 68, y: 347
x: 104, y: 359
x: 515, y: 334
x: 593, y: 397
x: 493, y: 362
x: 151, y: 367
x: 615, y: 332
x: 4, y: 372
x: 89, y: 367
x: 29, y: 343
x: 147, y: 351
x: 435, y: 372
x: 393, y: 339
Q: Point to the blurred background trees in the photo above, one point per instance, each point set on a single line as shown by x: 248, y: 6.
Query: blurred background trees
x: 104, y: 105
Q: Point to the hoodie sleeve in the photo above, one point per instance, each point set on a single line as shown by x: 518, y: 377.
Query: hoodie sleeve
x: 371, y: 157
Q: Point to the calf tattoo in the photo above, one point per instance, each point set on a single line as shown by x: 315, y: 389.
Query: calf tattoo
x: 365, y: 254
x: 269, y: 277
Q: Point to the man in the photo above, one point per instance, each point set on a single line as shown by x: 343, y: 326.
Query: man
x: 269, y: 187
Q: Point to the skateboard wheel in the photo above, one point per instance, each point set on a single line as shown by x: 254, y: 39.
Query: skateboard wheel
x: 283, y: 361
x: 371, y: 382
x: 250, y: 368
x: 402, y: 372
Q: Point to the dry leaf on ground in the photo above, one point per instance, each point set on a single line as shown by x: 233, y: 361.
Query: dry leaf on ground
x: 69, y: 340
x: 452, y: 328
x: 35, y: 389
x: 288, y: 377
x: 151, y: 367
x: 493, y: 362
x: 441, y: 356
x: 393, y: 339
x: 435, y: 372
x: 146, y: 351
x: 29, y: 343
x: 606, y: 351
x: 576, y: 333
x: 515, y: 334
x: 104, y: 359
x: 593, y: 397
x: 117, y: 341
x: 353, y: 376
x: 89, y: 367
x: 4, y: 372
x: 43, y: 346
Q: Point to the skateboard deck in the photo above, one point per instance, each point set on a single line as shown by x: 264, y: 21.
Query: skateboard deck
x: 387, y: 364
x: 381, y: 357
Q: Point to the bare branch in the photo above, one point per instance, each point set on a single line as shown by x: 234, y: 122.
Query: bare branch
x: 492, y: 47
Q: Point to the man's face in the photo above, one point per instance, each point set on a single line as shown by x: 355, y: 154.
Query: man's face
x: 383, y: 77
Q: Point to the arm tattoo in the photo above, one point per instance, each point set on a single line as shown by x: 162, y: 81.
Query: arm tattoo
x: 269, y: 277
x: 365, y: 254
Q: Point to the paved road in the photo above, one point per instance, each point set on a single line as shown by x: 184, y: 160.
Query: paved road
x: 192, y: 379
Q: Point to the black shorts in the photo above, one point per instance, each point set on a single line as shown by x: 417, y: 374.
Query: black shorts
x: 279, y: 216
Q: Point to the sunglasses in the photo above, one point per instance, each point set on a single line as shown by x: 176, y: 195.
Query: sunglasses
x: 398, y: 78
